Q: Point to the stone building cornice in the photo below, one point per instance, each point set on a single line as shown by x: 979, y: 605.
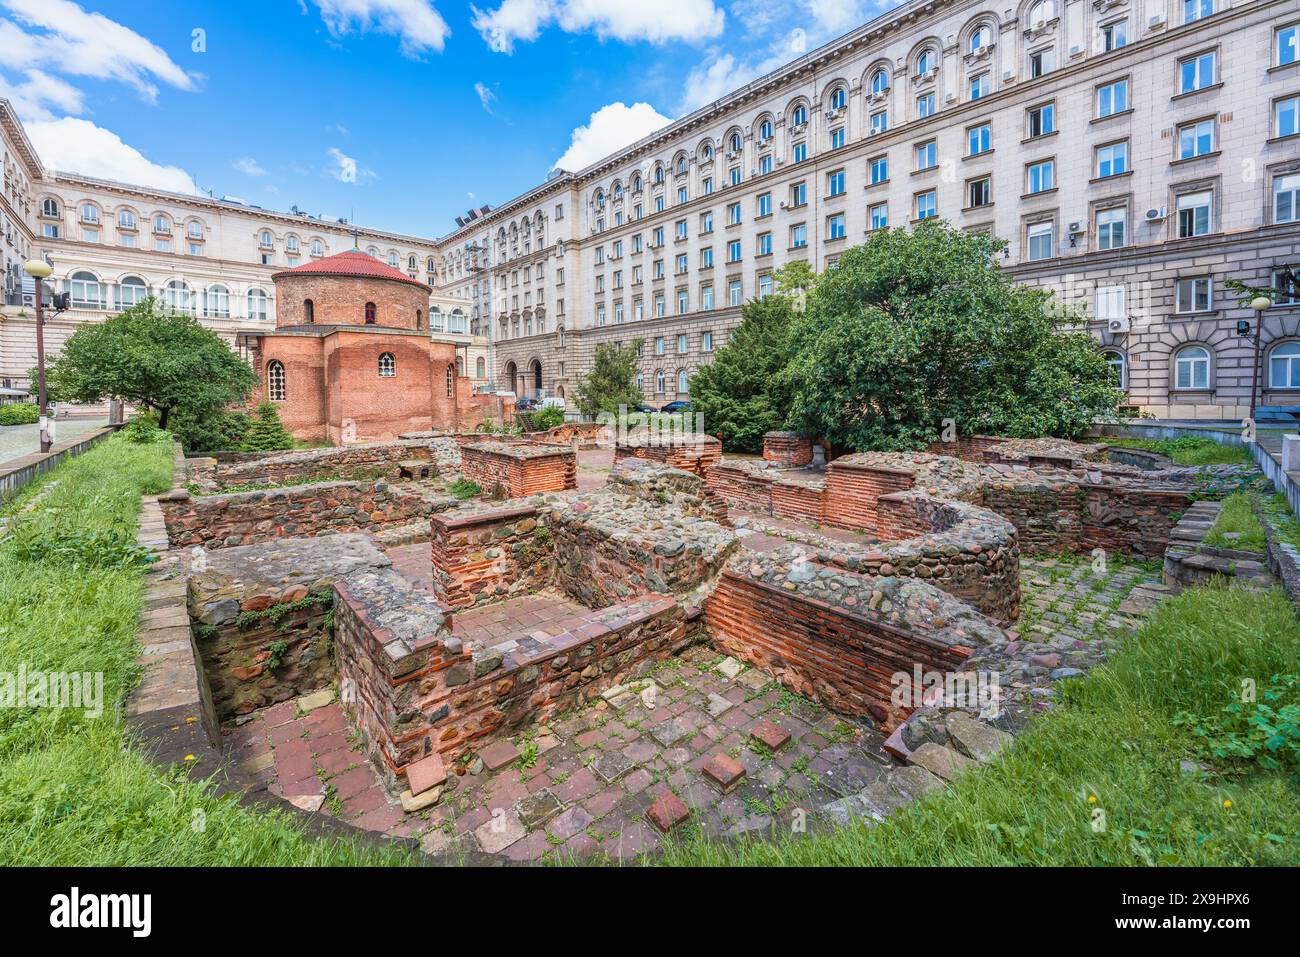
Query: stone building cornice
x: 13, y: 128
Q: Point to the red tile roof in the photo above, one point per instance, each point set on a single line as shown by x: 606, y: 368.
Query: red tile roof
x: 351, y: 263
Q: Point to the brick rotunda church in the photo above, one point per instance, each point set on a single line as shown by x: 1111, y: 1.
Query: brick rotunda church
x: 351, y: 360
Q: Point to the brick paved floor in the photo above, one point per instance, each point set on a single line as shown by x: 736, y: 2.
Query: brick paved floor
x: 506, y: 621
x: 593, y: 468
x: 600, y: 769
x: 414, y: 561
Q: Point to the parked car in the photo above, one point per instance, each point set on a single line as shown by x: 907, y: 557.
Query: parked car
x: 643, y: 407
x: 676, y: 407
x: 527, y: 405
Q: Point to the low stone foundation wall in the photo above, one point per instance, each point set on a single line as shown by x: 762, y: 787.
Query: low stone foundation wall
x: 483, y: 554
x: 837, y: 637
x: 416, y: 691
x: 260, y: 616
x: 697, y: 454
x: 852, y: 491
x: 246, y: 518
x: 589, y: 435
x: 786, y: 450
x: 353, y: 463
x: 519, y: 469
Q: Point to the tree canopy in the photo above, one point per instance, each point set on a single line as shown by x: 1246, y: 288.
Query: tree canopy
x: 151, y: 356
x: 917, y: 326
x: 743, y: 392
x: 611, y: 382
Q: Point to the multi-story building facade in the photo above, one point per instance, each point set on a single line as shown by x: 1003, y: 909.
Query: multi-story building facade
x: 1133, y: 154
x: 22, y: 168
x: 113, y: 244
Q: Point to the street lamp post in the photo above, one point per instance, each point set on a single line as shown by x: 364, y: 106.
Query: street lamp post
x: 39, y: 269
x: 1259, y: 304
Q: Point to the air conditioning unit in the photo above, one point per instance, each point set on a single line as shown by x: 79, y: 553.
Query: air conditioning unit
x: 731, y: 156
x: 949, y: 97
x: 1076, y: 50
x: 1156, y: 21
x: 780, y: 162
x: 1118, y: 325
x: 1153, y: 215
x: 1007, y: 76
x: 1077, y: 228
x: 782, y: 204
x: 831, y: 114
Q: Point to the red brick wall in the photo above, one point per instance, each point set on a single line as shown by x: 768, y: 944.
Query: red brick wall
x: 845, y: 661
x: 696, y: 457
x: 787, y: 450
x: 303, y: 409
x: 341, y: 301
x: 972, y: 448
x: 520, y: 476
x: 486, y: 556
x: 852, y: 491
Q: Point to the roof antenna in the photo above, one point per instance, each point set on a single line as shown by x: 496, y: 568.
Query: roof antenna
x: 352, y: 214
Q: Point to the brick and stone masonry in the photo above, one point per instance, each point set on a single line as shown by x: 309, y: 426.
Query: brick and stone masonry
x: 486, y: 552
x: 787, y: 450
x: 351, y: 463
x: 519, y: 469
x: 688, y: 452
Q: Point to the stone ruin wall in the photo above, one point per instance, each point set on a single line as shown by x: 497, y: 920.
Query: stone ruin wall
x: 351, y: 462
x: 519, y: 469
x: 483, y: 554
x: 690, y: 453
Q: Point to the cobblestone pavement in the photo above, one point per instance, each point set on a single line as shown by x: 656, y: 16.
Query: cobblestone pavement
x: 590, y: 784
x: 20, y: 440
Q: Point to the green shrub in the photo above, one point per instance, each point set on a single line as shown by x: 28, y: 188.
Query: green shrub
x: 144, y: 428
x: 19, y: 413
x: 464, y: 488
x: 266, y: 433
x: 548, y: 417
x: 1265, y: 732
x: 57, y: 545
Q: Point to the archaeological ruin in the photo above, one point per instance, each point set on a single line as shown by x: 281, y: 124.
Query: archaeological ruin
x: 364, y: 644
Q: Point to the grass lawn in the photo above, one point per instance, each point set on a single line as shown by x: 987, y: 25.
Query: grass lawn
x: 1114, y: 744
x: 1284, y: 523
x: 1188, y: 450
x: 1237, y: 517
x: 72, y: 791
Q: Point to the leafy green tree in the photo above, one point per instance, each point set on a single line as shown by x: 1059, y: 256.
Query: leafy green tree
x: 744, y: 392
x: 918, y: 326
x: 266, y: 433
x: 223, y: 430
x: 154, y: 357
x: 794, y: 277
x: 611, y: 382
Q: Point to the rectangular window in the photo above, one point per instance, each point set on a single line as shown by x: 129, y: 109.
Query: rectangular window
x: 764, y: 244
x: 1195, y: 139
x: 681, y: 229
x: 660, y: 347
x: 1110, y: 303
x: 798, y: 236
x: 979, y: 139
x: 600, y: 315
x: 1112, y: 160
x: 683, y: 194
x: 1041, y: 240
x: 979, y: 86
x: 1286, y: 282
x: 1041, y: 120
x: 927, y: 205
x: 1286, y: 198
x: 1112, y: 98
x: 706, y: 221
x: 979, y: 192
x: 1040, y: 177
x: 1197, y: 9
x: 879, y: 216
x: 1114, y: 35
x: 927, y: 155
x: 735, y: 292
x: 735, y: 176
x: 1112, y: 227
x: 733, y: 214
x: 1286, y: 116
x: 733, y: 251
x: 879, y: 121
x: 800, y: 152
x: 681, y: 264
x: 683, y: 302
x: 835, y: 183
x: 925, y: 106
x: 706, y: 258
x: 1194, y: 295
x: 765, y: 285
x: 659, y: 204
x: 799, y: 194
x: 706, y: 296
x: 1040, y: 62
x: 706, y: 338
x: 1194, y: 213
x: 837, y: 137
x: 764, y: 204
x: 1196, y: 72
x: 1287, y: 45
x: 708, y: 185
x: 765, y: 164
x: 658, y: 239
x: 660, y: 309
x: 878, y: 169
x: 835, y: 228
x: 683, y: 344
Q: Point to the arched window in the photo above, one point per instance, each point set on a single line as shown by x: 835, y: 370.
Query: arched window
x: 1284, y: 366
x: 216, y: 302
x: 291, y: 243
x: 308, y: 311
x: 317, y: 248
x: 879, y: 82
x: 87, y: 292
x: 799, y: 115
x: 419, y: 319
x: 275, y: 381
x: 683, y: 382
x: 372, y: 314
x: 257, y: 304
x: 764, y: 131
x: 451, y: 381
x: 925, y: 62
x: 177, y: 295
x: 480, y: 368
x: 435, y: 319
x: 392, y: 259
x: 661, y: 382
x: 456, y: 321
x: 130, y: 291
x: 194, y: 229
x: 838, y: 98
x: 387, y: 365
x: 460, y: 366
x: 640, y: 382
x: 49, y: 207
x: 980, y: 38
x: 1041, y: 12
x: 736, y: 142
x: 1192, y: 368
x: 1116, y: 360
x: 265, y: 240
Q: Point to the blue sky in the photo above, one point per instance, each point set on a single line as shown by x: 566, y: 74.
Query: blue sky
x: 402, y: 113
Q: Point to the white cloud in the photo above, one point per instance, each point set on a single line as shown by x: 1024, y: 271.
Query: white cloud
x: 841, y: 16
x: 610, y: 128
x: 658, y: 22
x: 346, y: 168
x: 249, y: 166
x: 65, y: 39
x: 485, y: 96
x: 76, y: 145
x: 721, y: 73
x: 36, y: 97
x: 416, y: 23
